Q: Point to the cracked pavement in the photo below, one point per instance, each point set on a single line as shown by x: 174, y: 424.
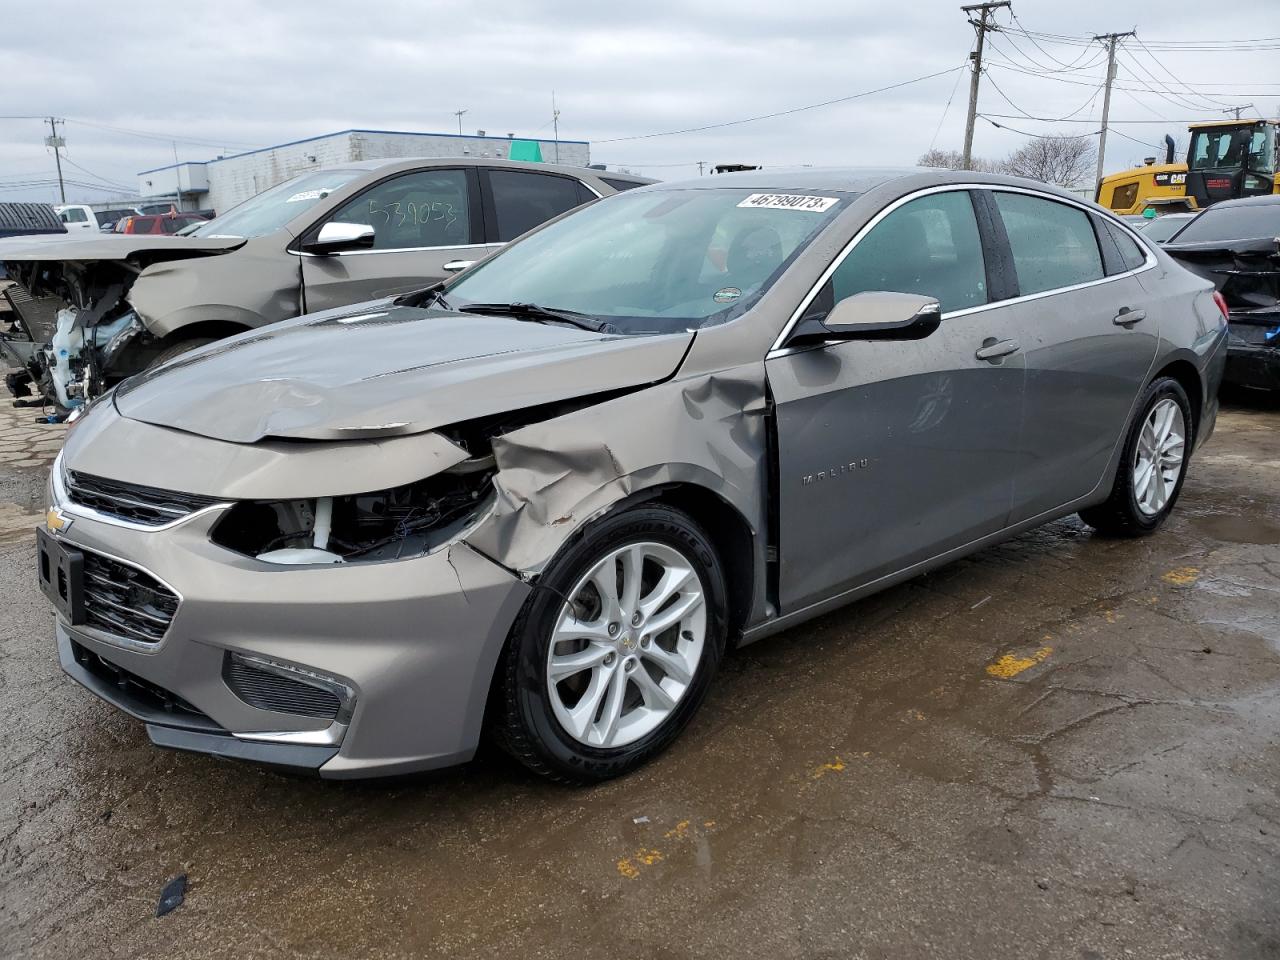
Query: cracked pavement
x: 1064, y: 746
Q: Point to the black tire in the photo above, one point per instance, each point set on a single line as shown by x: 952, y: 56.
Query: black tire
x: 524, y: 723
x: 1119, y: 515
x: 178, y: 349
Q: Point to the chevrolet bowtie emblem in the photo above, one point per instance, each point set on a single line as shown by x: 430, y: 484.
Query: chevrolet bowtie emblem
x: 56, y: 521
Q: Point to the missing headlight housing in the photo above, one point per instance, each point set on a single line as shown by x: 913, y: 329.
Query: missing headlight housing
x: 403, y: 521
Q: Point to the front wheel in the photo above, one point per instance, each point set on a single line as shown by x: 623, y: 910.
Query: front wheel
x: 1152, y: 467
x: 615, y: 649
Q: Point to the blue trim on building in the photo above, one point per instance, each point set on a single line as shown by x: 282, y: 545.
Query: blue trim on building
x: 343, y: 133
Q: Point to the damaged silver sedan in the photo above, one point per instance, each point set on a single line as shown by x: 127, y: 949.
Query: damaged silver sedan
x: 541, y: 499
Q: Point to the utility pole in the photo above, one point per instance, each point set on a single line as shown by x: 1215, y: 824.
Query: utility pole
x: 982, y: 25
x: 57, y: 142
x: 1110, y: 39
x: 701, y: 164
x: 458, y: 114
x: 1239, y: 110
x: 555, y: 124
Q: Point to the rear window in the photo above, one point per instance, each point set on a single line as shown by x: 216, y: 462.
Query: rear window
x: 1233, y: 223
x: 522, y: 201
x: 1122, y: 252
x: 1053, y: 244
x: 621, y: 185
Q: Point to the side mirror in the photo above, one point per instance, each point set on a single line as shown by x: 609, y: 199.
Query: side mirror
x: 337, y: 237
x: 874, y: 315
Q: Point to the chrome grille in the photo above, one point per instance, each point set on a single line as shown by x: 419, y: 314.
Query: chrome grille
x: 124, y: 601
x: 148, y: 506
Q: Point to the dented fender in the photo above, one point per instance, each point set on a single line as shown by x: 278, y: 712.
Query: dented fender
x: 555, y: 477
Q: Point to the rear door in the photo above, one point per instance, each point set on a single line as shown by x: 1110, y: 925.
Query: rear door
x: 1087, y: 343
x: 891, y: 452
x: 423, y: 221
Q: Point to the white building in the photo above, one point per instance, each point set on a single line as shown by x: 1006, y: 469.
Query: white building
x: 222, y: 183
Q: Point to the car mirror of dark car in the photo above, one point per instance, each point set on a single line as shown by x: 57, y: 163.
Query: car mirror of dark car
x: 337, y: 237
x: 873, y: 315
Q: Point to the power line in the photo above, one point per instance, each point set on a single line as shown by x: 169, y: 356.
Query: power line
x: 1036, y: 136
x: 1089, y: 81
x: 781, y: 113
x: 945, y: 110
x: 166, y: 137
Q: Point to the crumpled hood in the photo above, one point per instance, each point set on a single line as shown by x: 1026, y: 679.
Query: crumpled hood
x: 114, y: 246
x: 386, y: 370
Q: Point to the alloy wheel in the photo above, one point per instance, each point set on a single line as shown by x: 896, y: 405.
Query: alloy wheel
x: 626, y: 645
x: 1158, y: 459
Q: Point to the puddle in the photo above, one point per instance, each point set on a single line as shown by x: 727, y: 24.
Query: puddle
x: 1235, y: 529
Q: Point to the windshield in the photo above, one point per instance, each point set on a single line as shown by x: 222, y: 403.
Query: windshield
x: 1249, y: 222
x: 272, y: 209
x: 1220, y: 148
x: 655, y: 261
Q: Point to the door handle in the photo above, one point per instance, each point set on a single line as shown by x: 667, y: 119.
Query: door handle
x: 457, y: 266
x: 992, y: 349
x: 1127, y: 317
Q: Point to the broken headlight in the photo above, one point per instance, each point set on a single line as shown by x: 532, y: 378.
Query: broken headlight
x: 405, y: 521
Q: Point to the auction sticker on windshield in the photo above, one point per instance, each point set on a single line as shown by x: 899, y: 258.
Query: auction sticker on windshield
x: 789, y: 201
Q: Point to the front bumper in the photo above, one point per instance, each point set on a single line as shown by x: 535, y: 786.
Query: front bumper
x: 416, y: 639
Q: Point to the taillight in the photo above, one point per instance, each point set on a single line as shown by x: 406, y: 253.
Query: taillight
x: 1221, y: 301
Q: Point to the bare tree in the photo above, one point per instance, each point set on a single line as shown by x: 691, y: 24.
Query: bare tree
x: 954, y: 160
x: 1065, y: 160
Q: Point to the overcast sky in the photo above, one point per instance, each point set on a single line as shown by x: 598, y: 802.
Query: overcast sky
x: 224, y: 76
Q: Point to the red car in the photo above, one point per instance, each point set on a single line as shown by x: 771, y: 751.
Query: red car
x: 166, y: 223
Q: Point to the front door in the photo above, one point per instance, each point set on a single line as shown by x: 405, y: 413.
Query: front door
x: 891, y: 452
x: 422, y: 222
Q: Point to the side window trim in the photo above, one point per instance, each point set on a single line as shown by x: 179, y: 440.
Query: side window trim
x: 473, y: 210
x: 987, y: 188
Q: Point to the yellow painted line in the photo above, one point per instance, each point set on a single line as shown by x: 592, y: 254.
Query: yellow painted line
x: 1182, y: 576
x: 1009, y: 666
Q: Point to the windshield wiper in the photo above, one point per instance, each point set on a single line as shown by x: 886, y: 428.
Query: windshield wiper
x: 420, y: 298
x: 534, y: 311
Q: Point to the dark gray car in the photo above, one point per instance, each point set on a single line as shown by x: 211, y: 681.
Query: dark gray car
x: 92, y: 310
x: 546, y: 497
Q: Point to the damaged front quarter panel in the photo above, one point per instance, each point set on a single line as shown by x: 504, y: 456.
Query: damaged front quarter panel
x: 708, y: 431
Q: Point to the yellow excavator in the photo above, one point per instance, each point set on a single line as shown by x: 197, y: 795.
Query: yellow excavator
x: 1226, y: 159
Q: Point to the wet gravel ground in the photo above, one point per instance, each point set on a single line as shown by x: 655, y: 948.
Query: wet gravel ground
x: 1062, y: 747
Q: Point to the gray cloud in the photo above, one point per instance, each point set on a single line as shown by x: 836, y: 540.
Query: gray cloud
x: 240, y: 73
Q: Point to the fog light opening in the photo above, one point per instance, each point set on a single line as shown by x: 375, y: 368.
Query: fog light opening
x: 286, y: 688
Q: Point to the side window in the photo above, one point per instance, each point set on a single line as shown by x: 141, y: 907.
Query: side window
x: 522, y: 201
x: 1053, y: 244
x: 74, y: 215
x: 1122, y: 253
x: 430, y: 208
x: 620, y: 185
x: 929, y: 246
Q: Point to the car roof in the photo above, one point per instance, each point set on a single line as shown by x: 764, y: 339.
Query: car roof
x: 411, y: 163
x: 1263, y: 201
x: 853, y: 179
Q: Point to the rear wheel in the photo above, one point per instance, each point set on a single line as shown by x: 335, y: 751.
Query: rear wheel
x: 616, y: 648
x: 1153, y: 465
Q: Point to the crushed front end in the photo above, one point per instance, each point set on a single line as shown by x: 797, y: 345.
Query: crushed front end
x: 69, y: 324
